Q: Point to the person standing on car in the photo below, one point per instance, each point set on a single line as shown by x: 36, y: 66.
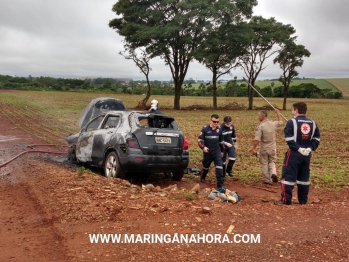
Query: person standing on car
x: 229, y: 136
x: 210, y: 141
x: 266, y: 136
x: 302, y: 136
x: 154, y: 107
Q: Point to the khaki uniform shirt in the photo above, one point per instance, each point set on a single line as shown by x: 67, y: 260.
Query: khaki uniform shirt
x: 266, y: 134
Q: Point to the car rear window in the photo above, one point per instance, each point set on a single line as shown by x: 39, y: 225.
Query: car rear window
x: 156, y: 122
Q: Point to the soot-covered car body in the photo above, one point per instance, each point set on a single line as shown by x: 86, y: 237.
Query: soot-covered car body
x: 128, y: 141
x: 94, y: 108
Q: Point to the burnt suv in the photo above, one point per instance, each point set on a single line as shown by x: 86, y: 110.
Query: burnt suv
x: 123, y: 142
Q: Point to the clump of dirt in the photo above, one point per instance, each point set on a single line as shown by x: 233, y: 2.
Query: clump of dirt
x: 196, y: 107
x: 265, y: 107
x: 231, y: 106
x: 234, y: 105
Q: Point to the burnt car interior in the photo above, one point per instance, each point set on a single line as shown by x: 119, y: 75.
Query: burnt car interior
x: 94, y: 124
x: 109, y: 105
x: 100, y: 105
x: 111, y: 122
x: 156, y: 121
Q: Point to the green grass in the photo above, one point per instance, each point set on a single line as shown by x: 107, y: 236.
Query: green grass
x: 61, y: 111
x: 341, y: 84
x: 320, y: 83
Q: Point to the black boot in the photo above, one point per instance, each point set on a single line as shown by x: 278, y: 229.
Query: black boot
x: 230, y: 171
x: 203, y: 176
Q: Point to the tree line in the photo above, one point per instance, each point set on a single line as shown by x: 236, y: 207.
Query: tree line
x: 232, y: 88
x: 58, y: 84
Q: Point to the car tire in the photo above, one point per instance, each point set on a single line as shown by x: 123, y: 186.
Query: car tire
x: 178, y: 175
x: 112, y: 166
x: 72, y: 154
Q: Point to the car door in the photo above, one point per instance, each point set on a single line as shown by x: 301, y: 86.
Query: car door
x: 84, y: 144
x: 102, y: 137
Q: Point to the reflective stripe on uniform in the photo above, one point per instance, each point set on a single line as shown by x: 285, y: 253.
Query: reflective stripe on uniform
x: 295, y: 129
x: 205, y: 168
x: 305, y: 183
x: 227, y: 132
x: 289, y: 138
x: 211, y: 137
x: 314, y: 127
x: 287, y: 183
x: 232, y: 158
x: 219, y: 167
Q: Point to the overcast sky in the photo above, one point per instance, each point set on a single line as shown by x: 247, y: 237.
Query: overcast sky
x: 71, y: 38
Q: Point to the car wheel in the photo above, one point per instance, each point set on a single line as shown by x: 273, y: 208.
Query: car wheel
x: 178, y: 175
x: 112, y: 166
x: 72, y: 154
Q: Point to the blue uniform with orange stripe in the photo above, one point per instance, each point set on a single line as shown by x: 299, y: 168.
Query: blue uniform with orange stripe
x: 299, y: 132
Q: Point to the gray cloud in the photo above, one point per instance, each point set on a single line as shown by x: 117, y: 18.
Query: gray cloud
x: 72, y: 39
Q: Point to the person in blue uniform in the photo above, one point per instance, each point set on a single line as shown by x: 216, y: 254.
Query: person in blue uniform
x: 302, y: 136
x: 210, y: 141
x: 229, y: 136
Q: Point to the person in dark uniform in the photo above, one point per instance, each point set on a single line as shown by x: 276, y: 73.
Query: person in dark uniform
x: 211, y: 142
x: 229, y: 136
x: 302, y: 136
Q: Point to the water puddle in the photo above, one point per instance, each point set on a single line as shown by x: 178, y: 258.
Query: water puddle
x: 9, y: 138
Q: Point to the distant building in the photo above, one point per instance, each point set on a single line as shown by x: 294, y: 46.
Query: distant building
x: 125, y: 80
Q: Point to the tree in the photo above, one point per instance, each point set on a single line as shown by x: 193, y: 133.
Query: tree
x: 278, y: 91
x: 265, y: 34
x: 171, y: 29
x: 290, y: 57
x: 232, y: 88
x: 107, y: 84
x: 47, y: 81
x: 267, y: 91
x: 225, y: 41
x: 220, y: 51
x: 202, y: 90
x: 142, y: 62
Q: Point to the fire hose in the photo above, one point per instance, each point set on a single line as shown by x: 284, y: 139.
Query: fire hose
x: 262, y: 96
x: 35, y: 151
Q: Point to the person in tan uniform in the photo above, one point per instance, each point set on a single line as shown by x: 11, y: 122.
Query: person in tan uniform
x: 265, y: 136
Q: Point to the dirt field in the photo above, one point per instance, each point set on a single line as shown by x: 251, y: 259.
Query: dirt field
x: 48, y: 210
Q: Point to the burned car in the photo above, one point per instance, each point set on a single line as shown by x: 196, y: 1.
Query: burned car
x: 99, y: 105
x: 123, y: 142
x: 94, y: 108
